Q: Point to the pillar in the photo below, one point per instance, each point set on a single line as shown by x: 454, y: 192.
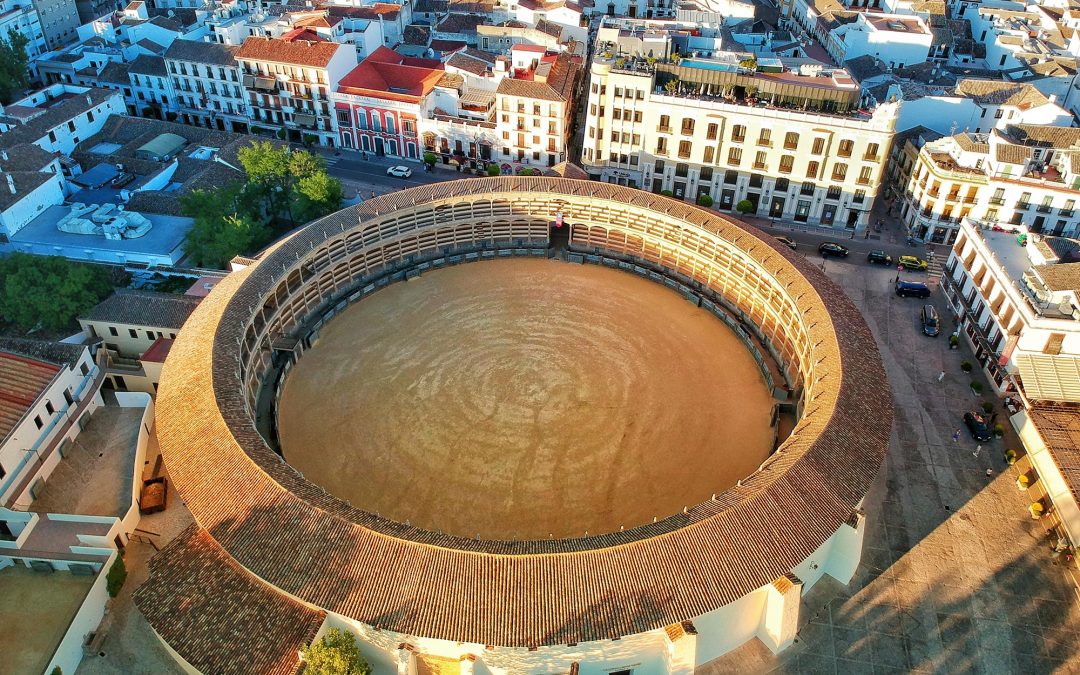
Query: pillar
x: 781, y: 620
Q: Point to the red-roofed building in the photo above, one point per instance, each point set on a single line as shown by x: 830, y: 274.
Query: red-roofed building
x: 380, y: 102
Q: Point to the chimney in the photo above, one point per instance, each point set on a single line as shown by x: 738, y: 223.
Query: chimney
x: 3, y: 155
x: 11, y: 183
x: 89, y: 101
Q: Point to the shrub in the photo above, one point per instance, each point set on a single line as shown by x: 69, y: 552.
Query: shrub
x: 704, y: 200
x: 999, y: 430
x: 987, y: 407
x: 335, y: 653
x: 1010, y: 456
x: 493, y: 170
x: 114, y: 581
x: 977, y: 387
x: 310, y: 139
x: 281, y: 134
x: 953, y: 340
x: 667, y: 193
x: 745, y: 206
x: 965, y: 366
x: 430, y: 158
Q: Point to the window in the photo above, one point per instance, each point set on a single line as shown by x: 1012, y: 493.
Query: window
x: 659, y: 166
x: 1025, y: 201
x: 997, y: 115
x: 755, y: 180
x: 705, y: 175
x: 665, y: 124
x: 687, y: 126
x: 661, y: 146
x: 786, y: 163
x: 999, y: 197
x: 731, y: 177
x: 845, y: 148
x: 833, y: 192
x: 871, y: 152
x: 112, y: 331
x: 1067, y: 210
x: 684, y: 149
x: 149, y: 335
x: 710, y: 132
x: 819, y: 146
x: 760, y: 160
x: 1046, y: 205
x: 709, y: 155
x: 738, y: 133
x: 791, y: 140
x: 765, y: 137
x: 811, y: 169
x: 839, y: 172
x: 83, y: 369
x: 864, y: 175
x: 133, y: 333
x: 49, y: 407
x: 682, y: 169
x: 782, y: 184
x: 807, y: 188
x: 37, y: 421
x: 734, y: 156
x: 860, y: 196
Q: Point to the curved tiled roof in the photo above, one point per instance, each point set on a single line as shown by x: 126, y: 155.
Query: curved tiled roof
x: 295, y: 536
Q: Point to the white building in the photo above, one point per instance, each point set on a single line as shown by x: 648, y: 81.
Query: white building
x: 535, y: 109
x: 57, y: 117
x: 288, y: 85
x: 206, y: 80
x: 978, y: 106
x: 897, y: 40
x: 724, y: 135
x: 1021, y: 175
x: 22, y: 17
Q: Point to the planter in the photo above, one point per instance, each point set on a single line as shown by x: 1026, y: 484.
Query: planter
x: 1036, y: 510
x: 965, y: 366
x: 1010, y: 456
x: 1023, y: 482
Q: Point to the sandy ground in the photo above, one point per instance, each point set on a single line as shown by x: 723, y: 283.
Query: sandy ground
x: 525, y: 398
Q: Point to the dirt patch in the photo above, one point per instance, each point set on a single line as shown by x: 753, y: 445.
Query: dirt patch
x: 526, y: 399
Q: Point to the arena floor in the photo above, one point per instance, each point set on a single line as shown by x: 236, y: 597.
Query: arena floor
x: 525, y: 398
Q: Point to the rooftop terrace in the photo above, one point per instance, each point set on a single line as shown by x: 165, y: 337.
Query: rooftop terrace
x: 36, y: 609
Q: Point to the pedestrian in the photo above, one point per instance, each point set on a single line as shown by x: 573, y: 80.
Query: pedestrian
x: 956, y: 436
x: 978, y: 449
x: 373, y: 194
x: 941, y: 376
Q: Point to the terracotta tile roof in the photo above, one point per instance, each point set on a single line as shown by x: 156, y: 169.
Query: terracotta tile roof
x: 446, y: 46
x: 558, y: 85
x: 969, y: 143
x: 1044, y: 136
x: 1012, y: 154
x: 22, y: 381
x: 25, y: 183
x: 144, y: 308
x: 158, y: 352
x: 521, y: 593
x: 300, y: 53
x: 380, y: 10
x: 26, y: 157
x: 1059, y: 426
x: 567, y: 170
x: 384, y: 74
x: 1059, y: 276
x: 997, y: 92
x: 461, y: 23
x: 56, y: 353
x: 217, y: 616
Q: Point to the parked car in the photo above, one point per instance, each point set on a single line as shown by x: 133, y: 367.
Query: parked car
x: 399, y: 171
x: 912, y: 289
x: 787, y: 241
x: 978, y: 426
x: 931, y: 324
x: 830, y: 248
x: 878, y: 257
x: 910, y: 262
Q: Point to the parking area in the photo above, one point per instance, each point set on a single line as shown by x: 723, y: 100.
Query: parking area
x: 955, y: 576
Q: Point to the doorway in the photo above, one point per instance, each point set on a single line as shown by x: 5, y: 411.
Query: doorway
x: 380, y: 150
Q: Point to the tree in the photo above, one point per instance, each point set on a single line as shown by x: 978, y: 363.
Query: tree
x: 493, y: 170
x: 672, y: 86
x: 335, y: 653
x: 745, y: 206
x: 430, y: 158
x: 317, y: 195
x: 48, y: 292
x: 704, y: 200
x: 224, y: 226
x: 14, y: 66
x: 116, y: 577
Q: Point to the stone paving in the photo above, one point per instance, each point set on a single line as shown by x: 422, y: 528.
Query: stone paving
x: 955, y: 575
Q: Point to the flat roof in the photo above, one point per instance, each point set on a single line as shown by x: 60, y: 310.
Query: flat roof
x: 95, y: 478
x: 1012, y: 257
x: 36, y: 609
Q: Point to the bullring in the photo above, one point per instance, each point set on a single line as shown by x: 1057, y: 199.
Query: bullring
x: 662, y: 597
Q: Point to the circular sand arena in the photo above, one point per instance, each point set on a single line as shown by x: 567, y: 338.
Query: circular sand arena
x: 525, y: 398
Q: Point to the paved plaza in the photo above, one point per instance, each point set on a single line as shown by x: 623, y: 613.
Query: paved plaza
x: 955, y: 576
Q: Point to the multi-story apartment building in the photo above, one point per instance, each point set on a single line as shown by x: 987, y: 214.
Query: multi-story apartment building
x: 380, y: 103
x: 534, y: 110
x: 1021, y: 175
x: 288, y: 85
x: 788, y: 145
x: 152, y: 90
x: 1018, y: 306
x: 129, y: 322
x: 59, y: 21
x: 207, y: 83
x: 21, y: 16
x: 57, y: 117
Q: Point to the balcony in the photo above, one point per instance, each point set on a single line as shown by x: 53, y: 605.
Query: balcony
x: 952, y: 197
x: 933, y: 193
x: 1066, y: 213
x: 862, y: 181
x: 761, y: 167
x: 1022, y: 206
x: 1044, y: 208
x: 663, y: 129
x: 871, y: 158
x: 738, y: 139
x: 997, y: 201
